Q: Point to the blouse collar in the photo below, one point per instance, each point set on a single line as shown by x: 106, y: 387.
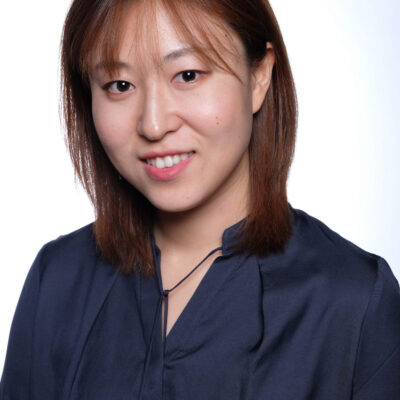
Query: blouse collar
x: 231, y: 237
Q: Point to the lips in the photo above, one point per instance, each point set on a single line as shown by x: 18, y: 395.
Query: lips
x: 167, y: 166
x: 166, y: 161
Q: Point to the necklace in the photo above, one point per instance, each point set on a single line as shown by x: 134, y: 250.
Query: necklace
x: 166, y: 292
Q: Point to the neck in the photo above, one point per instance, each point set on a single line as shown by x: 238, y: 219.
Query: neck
x: 200, y: 230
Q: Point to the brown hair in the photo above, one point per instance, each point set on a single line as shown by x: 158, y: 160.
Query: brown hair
x: 123, y: 222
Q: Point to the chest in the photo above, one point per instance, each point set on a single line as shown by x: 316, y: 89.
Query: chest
x: 234, y: 340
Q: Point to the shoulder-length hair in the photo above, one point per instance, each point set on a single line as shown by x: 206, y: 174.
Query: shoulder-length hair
x: 124, y: 217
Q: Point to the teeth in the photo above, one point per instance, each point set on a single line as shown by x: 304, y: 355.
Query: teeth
x: 160, y: 163
x: 168, y: 161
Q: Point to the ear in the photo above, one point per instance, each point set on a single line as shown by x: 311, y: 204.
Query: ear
x: 261, y: 78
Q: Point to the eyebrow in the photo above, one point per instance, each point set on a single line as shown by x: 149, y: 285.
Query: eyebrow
x: 173, y: 55
x: 178, y: 53
x: 102, y: 65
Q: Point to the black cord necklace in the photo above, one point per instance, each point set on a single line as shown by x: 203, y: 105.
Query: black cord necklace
x: 166, y: 292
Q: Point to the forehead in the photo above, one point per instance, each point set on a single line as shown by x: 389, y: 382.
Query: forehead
x: 151, y: 39
x: 151, y: 34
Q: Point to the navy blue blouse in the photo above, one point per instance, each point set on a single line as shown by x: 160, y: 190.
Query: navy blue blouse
x: 319, y: 321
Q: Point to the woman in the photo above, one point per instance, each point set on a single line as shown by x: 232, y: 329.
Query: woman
x: 197, y: 280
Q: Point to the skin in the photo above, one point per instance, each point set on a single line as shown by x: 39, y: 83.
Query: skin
x: 209, y: 114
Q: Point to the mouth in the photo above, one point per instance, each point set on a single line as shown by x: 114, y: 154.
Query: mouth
x: 168, y: 161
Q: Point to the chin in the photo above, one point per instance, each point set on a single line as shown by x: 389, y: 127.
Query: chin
x: 173, y: 207
x: 175, y: 204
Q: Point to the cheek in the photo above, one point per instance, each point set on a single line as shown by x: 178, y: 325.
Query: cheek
x: 226, y: 114
x: 112, y: 124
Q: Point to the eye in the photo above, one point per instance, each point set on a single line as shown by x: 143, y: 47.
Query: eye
x: 118, y: 86
x: 188, y: 76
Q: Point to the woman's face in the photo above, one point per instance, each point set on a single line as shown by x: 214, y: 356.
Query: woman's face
x: 178, y: 130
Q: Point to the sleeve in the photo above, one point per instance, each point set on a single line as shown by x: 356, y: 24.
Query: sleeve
x: 377, y: 369
x: 15, y: 381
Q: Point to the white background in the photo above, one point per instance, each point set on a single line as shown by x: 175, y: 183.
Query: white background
x: 346, y: 65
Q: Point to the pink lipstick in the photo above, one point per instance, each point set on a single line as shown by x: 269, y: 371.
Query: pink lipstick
x: 167, y: 165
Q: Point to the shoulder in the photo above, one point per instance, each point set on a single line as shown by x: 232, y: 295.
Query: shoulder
x: 329, y: 266
x: 72, y: 278
x: 71, y: 261
x: 335, y: 255
x: 307, y: 228
x: 79, y: 243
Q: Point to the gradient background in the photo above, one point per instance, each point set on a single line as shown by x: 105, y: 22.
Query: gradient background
x: 346, y: 65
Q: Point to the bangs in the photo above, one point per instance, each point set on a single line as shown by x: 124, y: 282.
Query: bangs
x: 208, y: 35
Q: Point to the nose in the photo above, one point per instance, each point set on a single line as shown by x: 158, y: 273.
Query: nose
x: 158, y: 116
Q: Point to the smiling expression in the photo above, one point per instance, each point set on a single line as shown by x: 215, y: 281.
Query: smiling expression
x: 177, y: 128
